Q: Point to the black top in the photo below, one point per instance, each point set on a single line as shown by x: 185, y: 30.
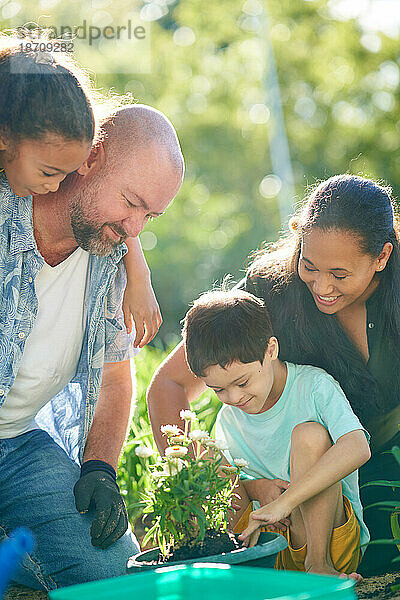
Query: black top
x: 373, y: 401
x: 383, y: 367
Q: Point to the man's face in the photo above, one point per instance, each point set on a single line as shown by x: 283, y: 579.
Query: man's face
x: 110, y: 206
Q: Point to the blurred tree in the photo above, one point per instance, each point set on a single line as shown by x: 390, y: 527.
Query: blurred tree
x: 206, y: 64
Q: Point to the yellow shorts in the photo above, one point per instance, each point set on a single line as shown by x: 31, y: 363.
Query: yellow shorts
x: 345, y: 544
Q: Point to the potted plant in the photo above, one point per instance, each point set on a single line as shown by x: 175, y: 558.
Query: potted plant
x: 189, y: 499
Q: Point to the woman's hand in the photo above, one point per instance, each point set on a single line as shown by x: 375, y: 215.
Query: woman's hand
x: 140, y: 303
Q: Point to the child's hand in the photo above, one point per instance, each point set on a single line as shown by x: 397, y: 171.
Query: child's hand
x: 141, y: 303
x: 250, y: 535
x: 270, y: 514
x: 266, y: 491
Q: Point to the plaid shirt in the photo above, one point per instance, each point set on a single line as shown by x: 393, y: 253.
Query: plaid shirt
x: 69, y: 415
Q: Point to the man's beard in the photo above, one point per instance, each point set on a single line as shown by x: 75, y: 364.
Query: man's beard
x: 92, y: 237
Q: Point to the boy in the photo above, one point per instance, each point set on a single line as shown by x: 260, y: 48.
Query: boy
x: 283, y: 418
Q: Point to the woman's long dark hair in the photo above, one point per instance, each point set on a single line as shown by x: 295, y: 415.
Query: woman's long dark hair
x: 306, y: 335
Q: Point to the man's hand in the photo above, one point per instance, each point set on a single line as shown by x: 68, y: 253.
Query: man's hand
x: 271, y: 514
x: 266, y: 491
x: 98, y: 488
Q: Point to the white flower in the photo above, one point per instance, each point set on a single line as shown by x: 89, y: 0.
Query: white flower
x: 209, y: 443
x: 174, y: 466
x: 176, y: 452
x: 170, y: 429
x: 171, y: 468
x: 178, y: 439
x: 241, y: 463
x: 221, y: 445
x: 197, y: 435
x: 187, y: 415
x: 144, y: 452
x: 228, y: 469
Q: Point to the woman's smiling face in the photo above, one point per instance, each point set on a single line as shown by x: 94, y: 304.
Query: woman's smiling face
x: 336, y: 270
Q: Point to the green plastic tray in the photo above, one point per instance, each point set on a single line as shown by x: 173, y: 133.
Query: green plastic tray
x: 212, y: 582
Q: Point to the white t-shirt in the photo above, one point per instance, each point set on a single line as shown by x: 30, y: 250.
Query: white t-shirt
x: 310, y: 394
x: 54, y: 345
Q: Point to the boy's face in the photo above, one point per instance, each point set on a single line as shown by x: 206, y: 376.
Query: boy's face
x: 252, y: 387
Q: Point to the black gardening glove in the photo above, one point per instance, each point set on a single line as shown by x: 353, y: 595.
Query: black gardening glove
x: 97, y: 488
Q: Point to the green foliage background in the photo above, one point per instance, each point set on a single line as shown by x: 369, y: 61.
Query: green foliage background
x: 340, y: 100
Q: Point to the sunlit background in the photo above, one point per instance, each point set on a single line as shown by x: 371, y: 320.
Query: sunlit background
x: 267, y: 99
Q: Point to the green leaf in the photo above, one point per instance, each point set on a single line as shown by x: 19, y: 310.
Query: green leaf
x: 148, y: 510
x: 385, y: 504
x: 201, y: 520
x: 390, y: 542
x: 383, y: 482
x: 396, y: 453
x: 137, y: 505
x: 150, y: 534
x: 177, y: 514
x: 171, y: 527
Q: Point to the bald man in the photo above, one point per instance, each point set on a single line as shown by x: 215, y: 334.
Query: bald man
x: 65, y: 385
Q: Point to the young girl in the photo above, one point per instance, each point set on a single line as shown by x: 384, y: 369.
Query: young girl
x: 47, y: 129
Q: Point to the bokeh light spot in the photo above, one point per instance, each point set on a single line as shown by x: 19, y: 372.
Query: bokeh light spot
x: 259, y: 113
x: 148, y: 240
x: 10, y: 10
x: 270, y: 186
x: 184, y: 36
x: 218, y: 239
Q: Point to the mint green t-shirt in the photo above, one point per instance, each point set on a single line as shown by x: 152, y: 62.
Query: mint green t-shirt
x: 310, y: 394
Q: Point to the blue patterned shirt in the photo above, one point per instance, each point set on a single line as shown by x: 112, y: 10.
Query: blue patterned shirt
x: 69, y: 415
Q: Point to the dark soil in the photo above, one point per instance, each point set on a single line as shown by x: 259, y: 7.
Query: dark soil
x: 380, y: 587
x: 20, y: 592
x: 214, y: 542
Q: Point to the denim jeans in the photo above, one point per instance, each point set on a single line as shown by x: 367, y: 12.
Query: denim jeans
x: 36, y: 490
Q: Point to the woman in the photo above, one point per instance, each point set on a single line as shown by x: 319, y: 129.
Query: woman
x: 332, y: 287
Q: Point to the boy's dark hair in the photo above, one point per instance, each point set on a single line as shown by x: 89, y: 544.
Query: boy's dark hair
x: 223, y: 327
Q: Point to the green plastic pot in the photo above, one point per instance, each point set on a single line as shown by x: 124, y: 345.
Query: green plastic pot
x: 261, y: 555
x: 212, y: 582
